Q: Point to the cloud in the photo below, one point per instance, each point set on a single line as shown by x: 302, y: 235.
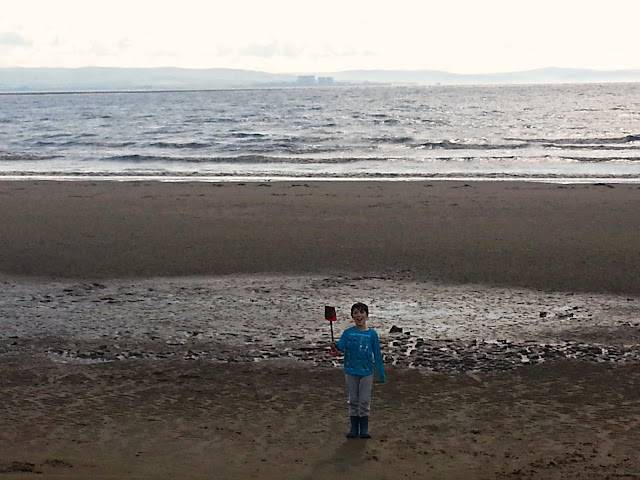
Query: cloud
x: 108, y: 49
x: 9, y: 39
x: 329, y: 51
x: 270, y: 50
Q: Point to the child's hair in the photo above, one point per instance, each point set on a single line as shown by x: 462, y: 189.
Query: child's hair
x: 360, y: 307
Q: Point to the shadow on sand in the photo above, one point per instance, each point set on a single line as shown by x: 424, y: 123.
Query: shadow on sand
x: 348, y: 457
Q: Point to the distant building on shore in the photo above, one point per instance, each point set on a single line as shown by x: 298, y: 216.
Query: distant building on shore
x: 309, y: 80
x: 325, y: 81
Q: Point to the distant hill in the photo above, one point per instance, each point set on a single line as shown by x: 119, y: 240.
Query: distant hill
x: 544, y: 75
x: 99, y: 78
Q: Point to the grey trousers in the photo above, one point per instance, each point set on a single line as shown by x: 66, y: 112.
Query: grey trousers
x: 359, y: 390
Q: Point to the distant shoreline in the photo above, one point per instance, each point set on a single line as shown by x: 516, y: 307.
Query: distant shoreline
x: 92, y: 79
x: 187, y: 90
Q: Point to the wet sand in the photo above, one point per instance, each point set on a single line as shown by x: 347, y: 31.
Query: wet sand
x: 164, y: 331
x: 560, y: 237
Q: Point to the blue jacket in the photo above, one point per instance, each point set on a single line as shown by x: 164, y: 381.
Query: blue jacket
x: 361, y: 352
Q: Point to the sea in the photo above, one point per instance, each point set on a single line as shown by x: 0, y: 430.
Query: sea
x: 568, y: 133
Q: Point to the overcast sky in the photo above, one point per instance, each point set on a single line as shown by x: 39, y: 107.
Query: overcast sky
x: 297, y: 36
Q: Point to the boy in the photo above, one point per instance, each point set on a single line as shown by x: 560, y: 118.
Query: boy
x: 361, y: 347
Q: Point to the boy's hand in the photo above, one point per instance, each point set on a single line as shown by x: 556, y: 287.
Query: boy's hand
x: 334, y: 350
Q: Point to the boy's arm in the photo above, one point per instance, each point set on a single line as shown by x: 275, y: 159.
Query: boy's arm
x: 340, y: 343
x: 377, y: 357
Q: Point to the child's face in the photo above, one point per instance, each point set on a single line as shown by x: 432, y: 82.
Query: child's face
x: 360, y: 318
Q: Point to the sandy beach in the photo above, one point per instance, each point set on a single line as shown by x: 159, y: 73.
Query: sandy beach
x: 561, y: 237
x: 175, y: 330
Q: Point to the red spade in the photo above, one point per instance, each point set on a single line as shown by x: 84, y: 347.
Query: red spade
x: 330, y: 316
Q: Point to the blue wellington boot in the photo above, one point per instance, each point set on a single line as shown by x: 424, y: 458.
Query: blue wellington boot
x: 364, y: 427
x: 355, y: 428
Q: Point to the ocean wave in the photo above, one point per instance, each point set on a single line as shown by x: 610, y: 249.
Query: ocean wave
x: 240, y: 159
x: 618, y: 143
x: 301, y: 161
x: 114, y: 144
x: 247, y: 135
x: 75, y: 143
x: 581, y: 141
x: 589, y: 147
x: 179, y: 145
x: 214, y: 120
x: 387, y: 121
x: 57, y: 135
x: 449, y: 145
x: 24, y: 157
x: 599, y: 159
x: 94, y: 116
x: 390, y: 139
